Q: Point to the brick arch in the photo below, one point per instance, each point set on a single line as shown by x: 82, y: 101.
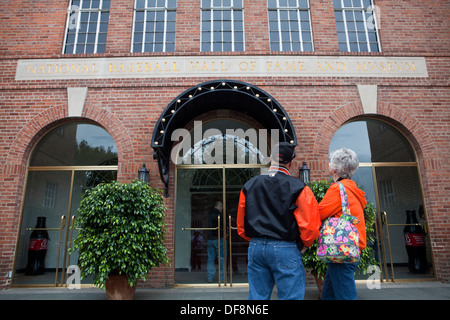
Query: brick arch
x: 326, y: 131
x: 16, y: 163
x: 127, y: 166
x: 398, y: 118
x: 40, y: 125
x: 31, y: 133
x: 428, y: 157
x: 417, y: 135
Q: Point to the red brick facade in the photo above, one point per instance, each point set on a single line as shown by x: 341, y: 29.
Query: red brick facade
x: 128, y: 108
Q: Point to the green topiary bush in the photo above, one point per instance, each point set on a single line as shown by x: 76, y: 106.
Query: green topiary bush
x: 122, y: 231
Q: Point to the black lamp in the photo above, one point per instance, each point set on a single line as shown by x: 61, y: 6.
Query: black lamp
x: 304, y: 173
x: 143, y: 174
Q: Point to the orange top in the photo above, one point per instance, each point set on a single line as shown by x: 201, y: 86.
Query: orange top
x: 331, y: 206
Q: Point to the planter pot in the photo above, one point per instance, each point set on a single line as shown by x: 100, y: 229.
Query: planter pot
x: 117, y: 288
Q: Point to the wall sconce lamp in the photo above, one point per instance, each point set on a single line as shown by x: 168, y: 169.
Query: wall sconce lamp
x: 304, y: 173
x: 143, y: 174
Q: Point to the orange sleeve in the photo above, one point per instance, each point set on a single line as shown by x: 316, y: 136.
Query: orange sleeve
x: 307, y: 216
x: 241, y: 216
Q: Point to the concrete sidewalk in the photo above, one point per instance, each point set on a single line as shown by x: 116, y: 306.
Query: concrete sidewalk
x: 430, y: 290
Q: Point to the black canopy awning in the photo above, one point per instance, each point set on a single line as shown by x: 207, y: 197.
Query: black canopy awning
x: 214, y: 95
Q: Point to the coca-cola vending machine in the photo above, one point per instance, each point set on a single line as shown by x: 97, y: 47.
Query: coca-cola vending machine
x: 37, y: 248
x: 415, y: 244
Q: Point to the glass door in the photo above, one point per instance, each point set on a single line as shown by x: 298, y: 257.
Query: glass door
x: 237, y: 246
x: 44, y: 217
x: 207, y: 243
x: 82, y: 180
x: 403, y: 217
x: 199, y: 234
x: 48, y: 224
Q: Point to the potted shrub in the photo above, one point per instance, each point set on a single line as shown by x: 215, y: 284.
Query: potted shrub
x: 121, y: 235
x: 319, y: 268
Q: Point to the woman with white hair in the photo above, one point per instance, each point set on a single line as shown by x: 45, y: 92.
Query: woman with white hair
x: 339, y: 283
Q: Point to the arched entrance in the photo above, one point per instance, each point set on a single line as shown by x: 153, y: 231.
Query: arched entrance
x: 216, y: 95
x: 213, y: 159
x: 389, y: 174
x: 67, y: 160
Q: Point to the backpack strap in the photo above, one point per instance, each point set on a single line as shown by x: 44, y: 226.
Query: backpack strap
x: 345, y: 205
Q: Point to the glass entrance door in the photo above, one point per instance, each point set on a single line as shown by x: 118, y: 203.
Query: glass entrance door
x: 52, y: 198
x: 46, y: 201
x: 207, y: 243
x: 402, y: 216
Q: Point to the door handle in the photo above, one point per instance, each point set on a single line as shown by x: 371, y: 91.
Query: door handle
x: 218, y: 239
x: 385, y: 222
x: 62, y: 226
x: 231, y: 251
x: 63, y: 218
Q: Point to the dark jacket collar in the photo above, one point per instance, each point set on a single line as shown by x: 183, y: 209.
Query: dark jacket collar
x: 279, y: 169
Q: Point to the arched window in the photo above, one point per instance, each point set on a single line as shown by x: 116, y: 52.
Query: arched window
x: 75, y: 144
x: 68, y: 160
x: 374, y: 141
x: 224, y: 142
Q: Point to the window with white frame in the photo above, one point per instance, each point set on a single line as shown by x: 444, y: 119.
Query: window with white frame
x: 356, y: 25
x: 222, y: 25
x: 154, y: 26
x: 290, y: 25
x: 87, y: 26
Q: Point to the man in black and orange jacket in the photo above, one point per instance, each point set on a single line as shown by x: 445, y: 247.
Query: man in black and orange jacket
x: 275, y: 211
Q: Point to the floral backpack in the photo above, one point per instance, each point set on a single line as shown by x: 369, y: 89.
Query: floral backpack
x: 339, y: 239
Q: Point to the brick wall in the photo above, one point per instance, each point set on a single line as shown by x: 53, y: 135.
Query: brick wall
x: 129, y: 108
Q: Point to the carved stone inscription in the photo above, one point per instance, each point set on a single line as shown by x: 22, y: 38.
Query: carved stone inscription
x: 220, y: 66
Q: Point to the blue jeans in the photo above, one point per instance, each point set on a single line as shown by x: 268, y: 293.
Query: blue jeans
x: 212, y: 255
x: 339, y: 283
x: 273, y: 262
